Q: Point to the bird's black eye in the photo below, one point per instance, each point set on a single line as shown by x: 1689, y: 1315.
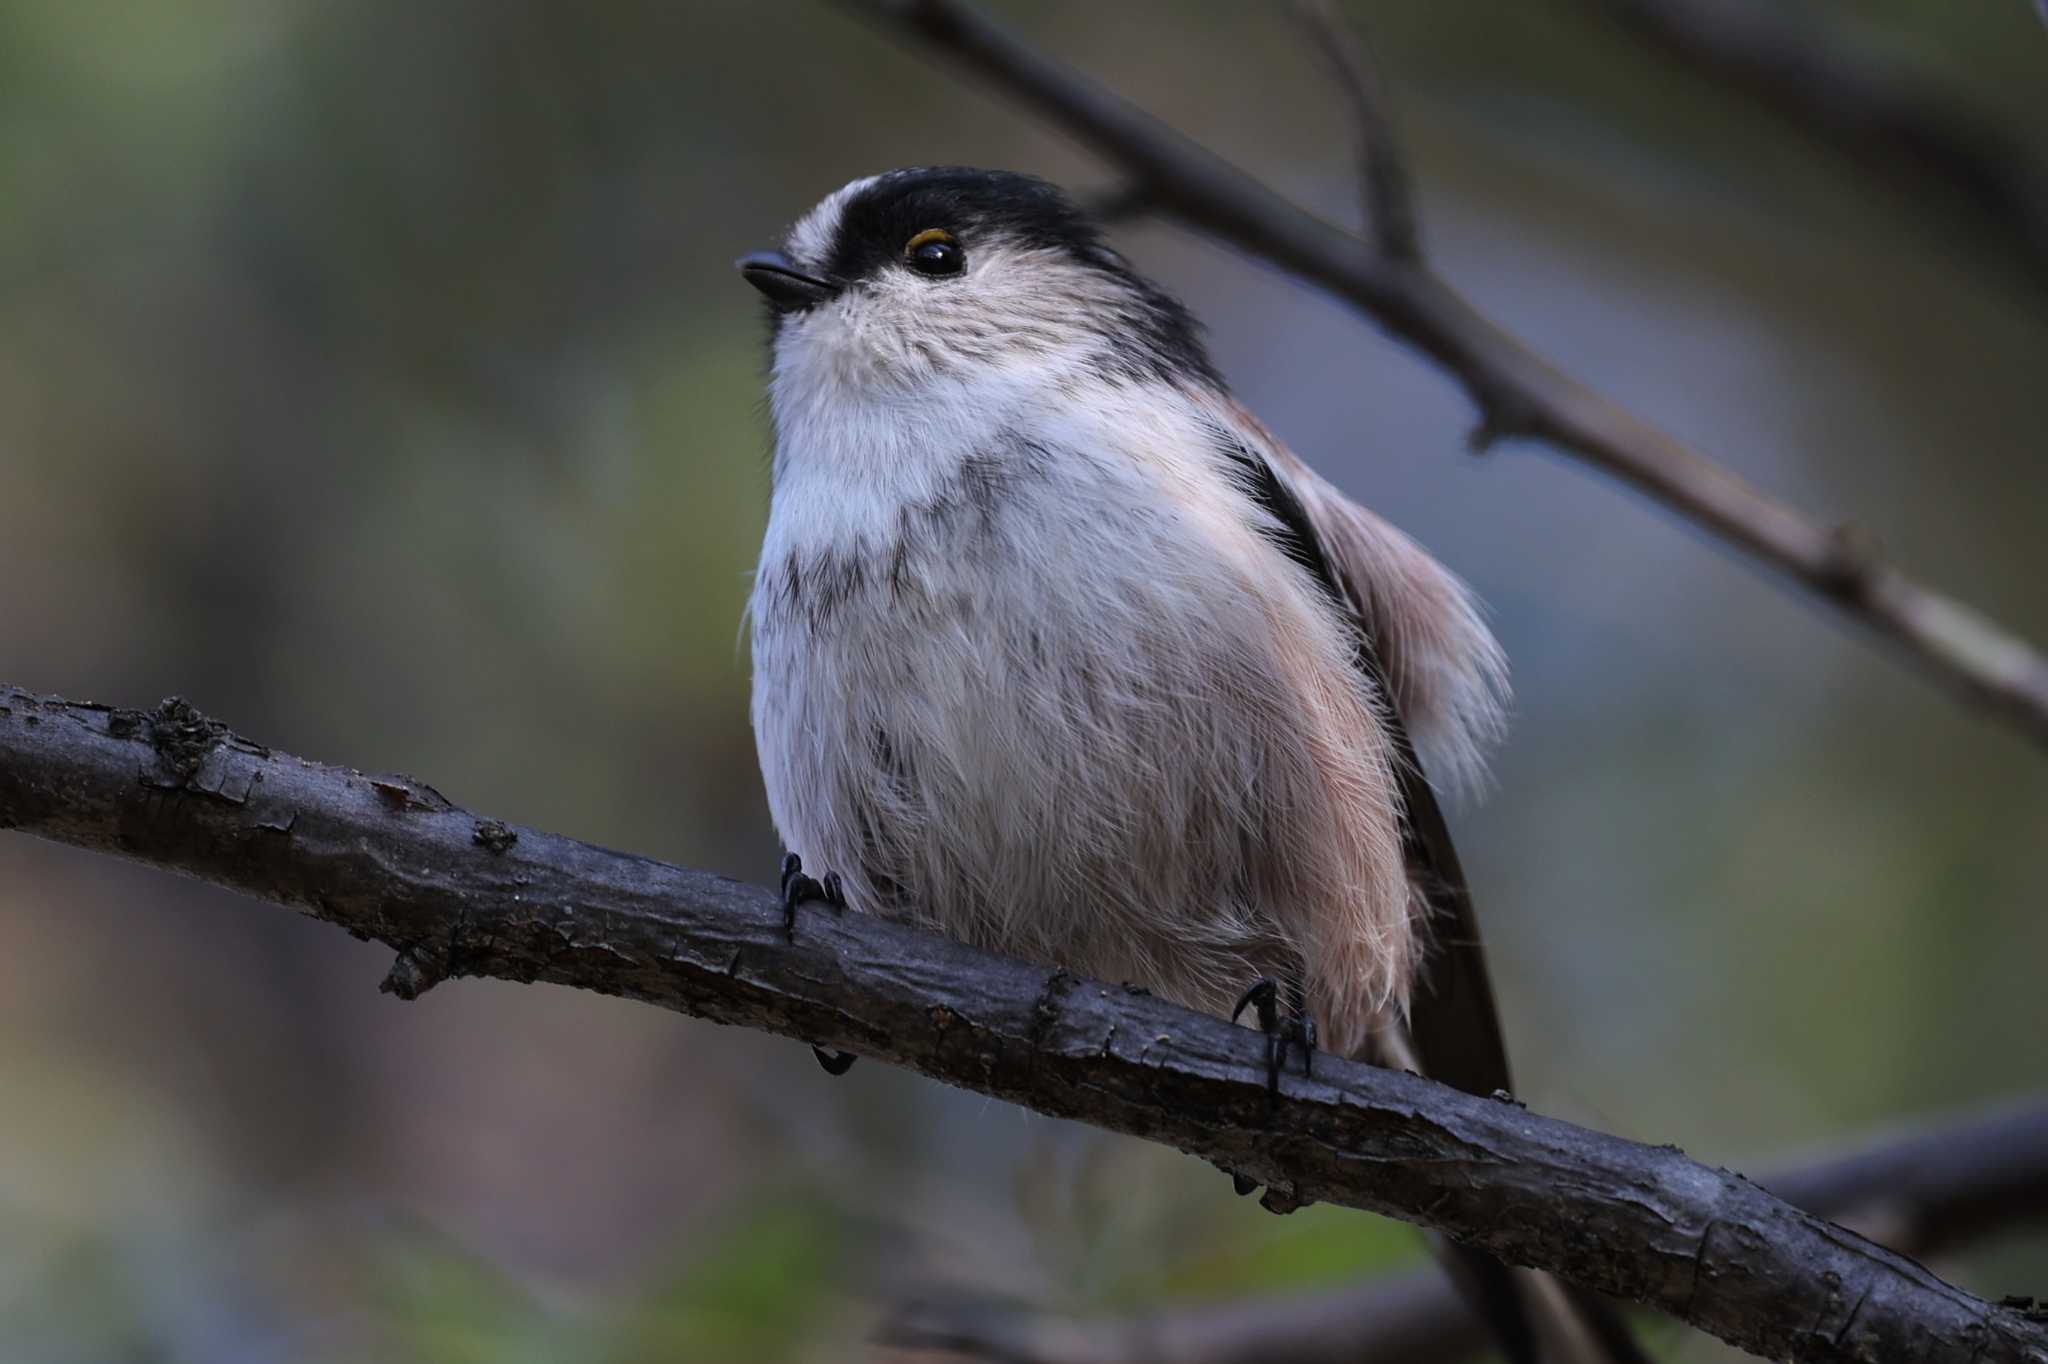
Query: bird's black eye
x: 934, y: 252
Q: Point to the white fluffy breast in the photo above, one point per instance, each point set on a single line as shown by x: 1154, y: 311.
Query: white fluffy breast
x: 1030, y: 669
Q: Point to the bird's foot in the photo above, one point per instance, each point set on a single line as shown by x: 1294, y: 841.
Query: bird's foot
x: 1293, y: 1028
x: 797, y: 889
x: 1296, y: 1029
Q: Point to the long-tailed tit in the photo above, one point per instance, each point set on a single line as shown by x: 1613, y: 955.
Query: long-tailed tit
x: 1057, y: 649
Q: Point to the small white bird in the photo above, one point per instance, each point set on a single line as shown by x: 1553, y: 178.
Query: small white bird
x: 1058, y: 650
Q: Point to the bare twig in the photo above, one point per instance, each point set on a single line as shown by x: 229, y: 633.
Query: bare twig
x: 1919, y: 1192
x: 1382, y: 172
x: 1518, y: 392
x: 1117, y: 204
x: 1930, y: 1190
x: 390, y: 859
x: 1888, y: 116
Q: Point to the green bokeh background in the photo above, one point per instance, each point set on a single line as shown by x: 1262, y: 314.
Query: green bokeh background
x: 374, y: 375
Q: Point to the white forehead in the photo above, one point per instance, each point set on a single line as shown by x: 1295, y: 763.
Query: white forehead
x: 810, y: 241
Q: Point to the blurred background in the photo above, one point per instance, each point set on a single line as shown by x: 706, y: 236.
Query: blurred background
x: 375, y: 375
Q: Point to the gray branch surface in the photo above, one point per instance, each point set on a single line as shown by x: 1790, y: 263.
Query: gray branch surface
x: 1518, y: 392
x: 1918, y: 1192
x: 391, y: 859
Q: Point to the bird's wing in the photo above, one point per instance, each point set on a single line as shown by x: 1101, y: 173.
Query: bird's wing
x: 1426, y: 651
x: 1445, y: 673
x: 1444, y: 682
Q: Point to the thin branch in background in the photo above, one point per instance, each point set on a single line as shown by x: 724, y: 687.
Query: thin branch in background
x: 1518, y: 392
x: 1920, y: 1192
x: 1890, y: 118
x: 1118, y: 204
x: 391, y: 859
x: 1388, y: 192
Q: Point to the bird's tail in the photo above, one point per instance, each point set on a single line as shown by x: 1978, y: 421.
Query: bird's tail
x: 1453, y: 1035
x: 1535, y: 1318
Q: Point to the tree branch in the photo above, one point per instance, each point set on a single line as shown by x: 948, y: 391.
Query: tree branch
x: 1885, y: 115
x: 1389, y: 196
x: 1517, y: 391
x: 1919, y: 1192
x: 391, y: 859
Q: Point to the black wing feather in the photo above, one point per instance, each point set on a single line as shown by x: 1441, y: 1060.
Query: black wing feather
x: 1452, y: 1020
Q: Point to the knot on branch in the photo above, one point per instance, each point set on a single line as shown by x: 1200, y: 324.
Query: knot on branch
x: 1281, y: 1202
x: 494, y: 836
x: 1503, y: 415
x: 1853, y: 559
x: 182, y: 736
x: 409, y: 977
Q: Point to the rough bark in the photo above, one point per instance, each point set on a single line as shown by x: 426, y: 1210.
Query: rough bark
x: 391, y: 859
x: 1919, y: 1192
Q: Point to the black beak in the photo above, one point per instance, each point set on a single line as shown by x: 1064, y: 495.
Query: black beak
x: 787, y: 288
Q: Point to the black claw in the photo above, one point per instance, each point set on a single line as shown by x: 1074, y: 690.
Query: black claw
x: 1262, y: 992
x: 798, y: 888
x: 1262, y: 996
x: 834, y: 1062
x: 1302, y: 1027
x: 1297, y: 1030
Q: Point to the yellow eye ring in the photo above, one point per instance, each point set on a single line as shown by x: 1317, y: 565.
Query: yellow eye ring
x: 934, y: 252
